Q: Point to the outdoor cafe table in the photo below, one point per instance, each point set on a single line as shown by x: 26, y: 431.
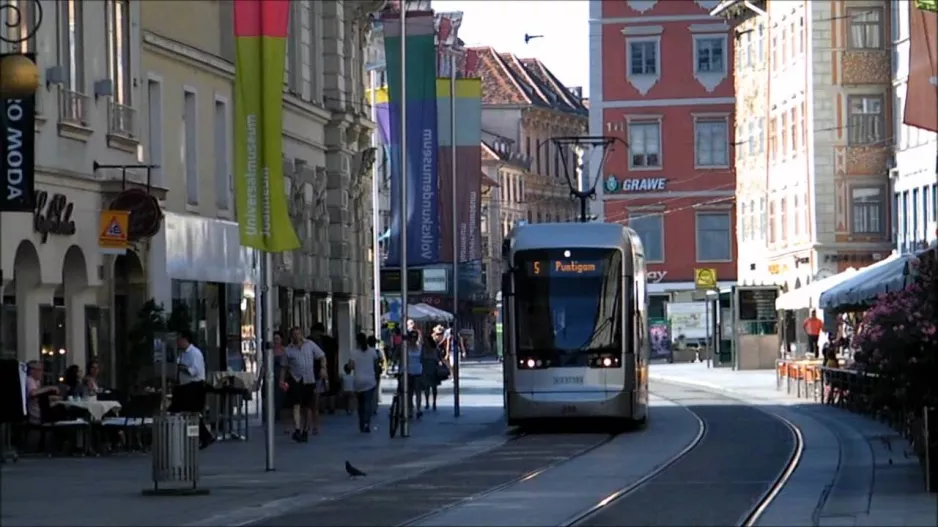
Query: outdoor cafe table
x: 96, y: 409
x: 802, y: 374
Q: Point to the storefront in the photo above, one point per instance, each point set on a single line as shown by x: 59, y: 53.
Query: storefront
x: 212, y: 277
x: 54, y: 307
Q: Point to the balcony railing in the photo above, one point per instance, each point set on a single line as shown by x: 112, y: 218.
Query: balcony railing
x: 122, y: 120
x: 73, y: 107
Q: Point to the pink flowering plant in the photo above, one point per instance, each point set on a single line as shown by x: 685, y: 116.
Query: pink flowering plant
x: 898, y: 342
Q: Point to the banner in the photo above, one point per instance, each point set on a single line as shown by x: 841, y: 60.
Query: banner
x: 659, y: 331
x: 260, y: 28
x: 468, y: 168
x: 18, y: 162
x: 420, y: 177
x: 921, y: 100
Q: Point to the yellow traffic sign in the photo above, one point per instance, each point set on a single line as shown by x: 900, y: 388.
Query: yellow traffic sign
x: 113, y: 231
x: 705, y: 278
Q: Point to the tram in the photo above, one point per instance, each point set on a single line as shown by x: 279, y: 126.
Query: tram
x: 575, y: 324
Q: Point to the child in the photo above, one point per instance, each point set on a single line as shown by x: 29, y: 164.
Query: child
x: 348, y: 387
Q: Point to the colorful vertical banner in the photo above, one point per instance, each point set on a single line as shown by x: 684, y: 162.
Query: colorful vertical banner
x: 420, y: 177
x: 260, y: 28
x: 921, y: 100
x: 468, y: 142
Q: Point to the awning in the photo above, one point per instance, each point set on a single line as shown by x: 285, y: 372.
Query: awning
x: 863, y: 288
x: 441, y: 315
x: 808, y: 297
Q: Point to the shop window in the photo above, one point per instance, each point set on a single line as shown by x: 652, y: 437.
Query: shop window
x: 55, y: 358
x: 8, y: 337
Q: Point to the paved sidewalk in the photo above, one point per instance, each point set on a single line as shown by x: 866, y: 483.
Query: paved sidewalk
x: 106, y: 490
x: 854, y: 470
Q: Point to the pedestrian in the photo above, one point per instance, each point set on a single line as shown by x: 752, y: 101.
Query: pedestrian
x: 366, y: 362
x: 379, y: 371
x: 433, y: 373
x: 348, y: 386
x: 300, y: 379
x: 280, y: 395
x: 813, y: 326
x: 414, y: 372
x: 189, y: 391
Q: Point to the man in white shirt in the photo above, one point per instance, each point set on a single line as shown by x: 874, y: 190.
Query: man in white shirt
x: 189, y: 392
x: 301, y: 370
x: 366, y: 359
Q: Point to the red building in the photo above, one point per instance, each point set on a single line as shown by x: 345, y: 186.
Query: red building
x: 661, y: 80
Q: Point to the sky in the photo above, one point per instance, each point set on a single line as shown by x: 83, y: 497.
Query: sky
x: 564, y: 25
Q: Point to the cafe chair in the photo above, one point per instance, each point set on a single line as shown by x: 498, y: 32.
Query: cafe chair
x: 63, y: 427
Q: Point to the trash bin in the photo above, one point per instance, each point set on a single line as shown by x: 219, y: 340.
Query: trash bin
x: 176, y: 454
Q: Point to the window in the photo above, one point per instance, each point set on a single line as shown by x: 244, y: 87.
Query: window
x: 71, y: 45
x: 867, y: 210
x: 771, y: 222
x: 557, y: 170
x: 866, y: 119
x: 784, y: 47
x: 915, y: 215
x: 643, y: 57
x: 763, y: 223
x: 711, y: 143
x: 795, y: 124
x: 774, y: 53
x: 866, y: 28
x: 222, y: 167
x: 190, y: 147
x: 783, y: 134
x: 752, y: 221
x: 751, y: 143
x: 904, y: 216
x: 155, y: 129
x: 713, y: 237
x: 710, y: 53
x: 118, y: 22
x: 744, y: 223
x: 796, y: 212
x: 783, y: 219
x: 760, y: 144
x: 773, y: 143
x: 749, y: 49
x: 644, y: 145
x: 650, y: 229
x: 760, y: 42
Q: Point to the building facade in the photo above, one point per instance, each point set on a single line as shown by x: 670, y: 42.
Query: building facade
x: 58, y: 289
x: 815, y: 142
x: 661, y: 84
x: 197, y: 259
x: 524, y: 106
x: 914, y: 178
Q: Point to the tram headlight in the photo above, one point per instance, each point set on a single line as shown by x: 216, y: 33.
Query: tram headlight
x: 605, y: 360
x: 532, y: 363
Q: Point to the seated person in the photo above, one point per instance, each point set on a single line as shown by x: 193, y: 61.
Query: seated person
x: 72, y: 385
x: 35, y: 390
x: 92, y: 388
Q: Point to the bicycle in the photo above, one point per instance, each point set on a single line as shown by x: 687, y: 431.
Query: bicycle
x: 396, y: 416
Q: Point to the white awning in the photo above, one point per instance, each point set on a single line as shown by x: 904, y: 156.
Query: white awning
x: 808, y: 296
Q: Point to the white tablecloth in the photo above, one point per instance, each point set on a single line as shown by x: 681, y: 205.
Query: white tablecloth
x: 242, y: 380
x: 96, y: 409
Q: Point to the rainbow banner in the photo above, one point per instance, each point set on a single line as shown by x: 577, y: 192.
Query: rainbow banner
x: 260, y: 28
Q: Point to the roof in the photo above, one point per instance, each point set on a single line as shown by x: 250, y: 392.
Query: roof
x: 492, y: 154
x: 487, y: 181
x: 508, y: 80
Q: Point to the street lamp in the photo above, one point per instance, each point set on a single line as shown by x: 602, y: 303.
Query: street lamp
x: 584, y: 190
x: 19, y: 75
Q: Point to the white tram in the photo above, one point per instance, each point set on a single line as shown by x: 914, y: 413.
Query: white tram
x: 575, y: 324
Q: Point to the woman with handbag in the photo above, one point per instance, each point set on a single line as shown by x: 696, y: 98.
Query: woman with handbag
x: 435, y: 370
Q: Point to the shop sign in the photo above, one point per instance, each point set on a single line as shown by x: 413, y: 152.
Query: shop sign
x: 18, y: 159
x: 854, y: 257
x: 655, y: 277
x: 112, y: 237
x: 614, y: 185
x: 705, y: 278
x: 145, y: 213
x: 434, y: 280
x: 52, y: 215
x: 777, y: 268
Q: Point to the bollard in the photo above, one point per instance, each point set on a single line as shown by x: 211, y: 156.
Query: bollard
x: 176, y: 455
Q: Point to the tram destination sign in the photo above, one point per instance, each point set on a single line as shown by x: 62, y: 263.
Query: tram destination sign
x: 566, y: 267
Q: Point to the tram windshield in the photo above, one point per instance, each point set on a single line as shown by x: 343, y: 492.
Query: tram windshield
x: 568, y: 303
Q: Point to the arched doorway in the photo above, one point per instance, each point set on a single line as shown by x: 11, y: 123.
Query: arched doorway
x: 61, y: 322
x: 18, y: 313
x: 130, y: 294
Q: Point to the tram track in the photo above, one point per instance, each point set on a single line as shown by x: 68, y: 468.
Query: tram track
x: 410, y: 499
x: 614, y: 509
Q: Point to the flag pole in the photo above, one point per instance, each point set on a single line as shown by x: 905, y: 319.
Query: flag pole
x: 402, y: 216
x: 261, y: 297
x: 454, y: 332
x: 375, y: 209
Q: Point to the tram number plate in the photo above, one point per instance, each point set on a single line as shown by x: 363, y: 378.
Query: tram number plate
x: 567, y: 409
x: 572, y: 379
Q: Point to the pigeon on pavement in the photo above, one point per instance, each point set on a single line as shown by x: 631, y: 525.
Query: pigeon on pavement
x: 352, y: 471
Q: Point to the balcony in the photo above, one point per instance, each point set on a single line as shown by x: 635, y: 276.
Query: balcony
x: 122, y: 127
x: 73, y: 115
